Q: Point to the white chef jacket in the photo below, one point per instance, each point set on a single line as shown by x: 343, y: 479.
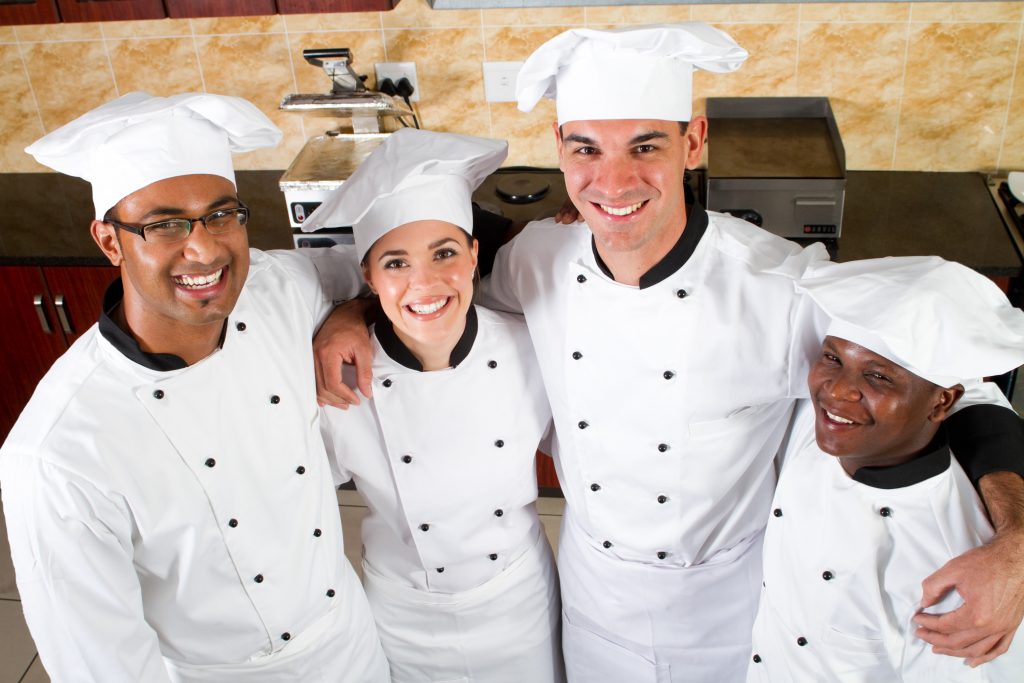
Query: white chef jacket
x: 670, y: 401
x: 458, y: 570
x: 844, y: 558
x: 182, y: 525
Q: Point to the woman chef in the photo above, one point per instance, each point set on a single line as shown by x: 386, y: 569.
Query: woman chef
x: 456, y: 565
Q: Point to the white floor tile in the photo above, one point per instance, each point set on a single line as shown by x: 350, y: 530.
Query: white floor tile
x: 550, y: 506
x: 16, y: 647
x: 8, y: 590
x: 346, y: 497
x: 351, y: 520
x: 36, y: 674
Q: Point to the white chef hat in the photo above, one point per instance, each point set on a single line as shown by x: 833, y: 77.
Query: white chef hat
x: 633, y: 73
x: 138, y: 139
x: 414, y: 175
x: 938, y: 319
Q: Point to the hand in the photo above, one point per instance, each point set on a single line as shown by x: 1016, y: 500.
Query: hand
x: 990, y: 579
x: 343, y: 338
x: 568, y: 214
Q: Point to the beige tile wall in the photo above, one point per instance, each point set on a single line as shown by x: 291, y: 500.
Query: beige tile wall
x: 921, y: 86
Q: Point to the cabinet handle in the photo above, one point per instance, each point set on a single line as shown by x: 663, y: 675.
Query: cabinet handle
x: 62, y: 315
x: 37, y: 301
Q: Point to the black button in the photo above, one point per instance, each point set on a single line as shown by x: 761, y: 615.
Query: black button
x: 300, y: 470
x: 777, y: 512
x: 330, y: 592
x: 286, y: 636
x: 210, y: 462
x: 317, y: 533
x: 681, y: 293
x: 607, y: 544
x: 386, y: 383
x: 576, y: 355
x: 499, y: 443
x: 240, y: 326
x: 885, y: 512
x: 581, y: 278
x: 232, y: 522
x: 258, y: 578
x: 407, y: 459
x: 595, y: 487
x: 493, y: 556
x: 492, y: 364
x: 662, y: 554
x: 801, y: 641
x: 583, y: 424
x: 757, y: 659
x: 499, y: 512
x: 275, y: 399
x: 827, y: 575
x: 440, y: 570
x: 662, y: 447
x: 424, y: 527
x: 158, y: 394
x: 662, y: 499
x: 668, y: 374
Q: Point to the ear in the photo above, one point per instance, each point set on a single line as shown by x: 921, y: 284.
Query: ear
x: 105, y: 236
x: 474, y: 250
x: 558, y: 140
x: 945, y: 399
x: 696, y: 135
x: 366, y: 276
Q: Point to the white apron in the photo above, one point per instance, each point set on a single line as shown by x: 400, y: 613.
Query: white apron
x: 468, y: 635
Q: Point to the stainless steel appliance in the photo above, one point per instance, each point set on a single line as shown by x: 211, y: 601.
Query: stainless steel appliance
x: 777, y: 162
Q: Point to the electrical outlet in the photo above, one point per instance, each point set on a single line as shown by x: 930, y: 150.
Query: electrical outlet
x: 500, y: 80
x: 396, y: 71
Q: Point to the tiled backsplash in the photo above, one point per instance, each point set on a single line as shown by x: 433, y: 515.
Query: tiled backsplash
x: 915, y: 86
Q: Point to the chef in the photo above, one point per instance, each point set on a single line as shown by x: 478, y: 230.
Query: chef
x: 169, y: 505
x: 672, y: 344
x: 456, y: 564
x: 869, y: 501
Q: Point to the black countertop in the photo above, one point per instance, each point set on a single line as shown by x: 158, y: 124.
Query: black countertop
x: 44, y: 218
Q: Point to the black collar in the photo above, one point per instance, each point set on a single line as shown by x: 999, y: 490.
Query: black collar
x: 400, y: 353
x: 125, y: 343
x: 678, y: 255
x: 932, y: 462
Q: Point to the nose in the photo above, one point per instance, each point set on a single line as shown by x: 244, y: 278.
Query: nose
x: 843, y: 387
x: 422, y: 278
x: 200, y: 246
x: 614, y: 177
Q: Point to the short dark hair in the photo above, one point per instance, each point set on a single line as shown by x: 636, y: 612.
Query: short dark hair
x: 682, y: 128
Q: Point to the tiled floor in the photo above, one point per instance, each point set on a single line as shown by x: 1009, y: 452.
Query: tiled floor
x: 18, y: 661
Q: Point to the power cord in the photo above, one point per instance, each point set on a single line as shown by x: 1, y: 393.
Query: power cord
x: 405, y: 90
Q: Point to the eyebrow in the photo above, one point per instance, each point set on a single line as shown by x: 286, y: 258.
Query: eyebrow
x: 176, y: 211
x: 637, y: 140
x: 403, y: 252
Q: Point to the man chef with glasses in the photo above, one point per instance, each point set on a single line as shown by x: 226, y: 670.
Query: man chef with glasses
x: 169, y: 502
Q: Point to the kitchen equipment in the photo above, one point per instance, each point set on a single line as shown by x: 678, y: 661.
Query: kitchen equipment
x: 365, y: 118
x: 777, y: 162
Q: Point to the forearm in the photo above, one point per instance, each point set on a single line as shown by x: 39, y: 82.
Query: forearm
x: 1003, y: 494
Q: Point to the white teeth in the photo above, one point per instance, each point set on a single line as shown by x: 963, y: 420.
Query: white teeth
x: 621, y: 210
x: 836, y: 418
x: 199, y: 281
x: 427, y: 309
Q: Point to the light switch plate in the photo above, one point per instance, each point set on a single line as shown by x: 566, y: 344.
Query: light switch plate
x: 500, y: 80
x: 396, y: 71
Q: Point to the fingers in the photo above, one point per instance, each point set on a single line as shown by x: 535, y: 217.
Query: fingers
x: 1001, y: 646
x: 983, y: 650
x: 936, y: 586
x: 363, y: 360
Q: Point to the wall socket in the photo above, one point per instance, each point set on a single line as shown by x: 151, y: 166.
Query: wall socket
x: 396, y: 71
x: 500, y: 81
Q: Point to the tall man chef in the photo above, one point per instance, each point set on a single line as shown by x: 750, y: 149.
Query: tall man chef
x: 169, y: 504
x: 672, y: 344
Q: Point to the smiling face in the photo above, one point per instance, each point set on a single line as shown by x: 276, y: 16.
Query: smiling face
x: 626, y: 179
x: 870, y: 411
x: 176, y: 292
x: 423, y: 274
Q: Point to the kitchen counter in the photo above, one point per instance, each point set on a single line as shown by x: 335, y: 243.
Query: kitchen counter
x: 44, y: 218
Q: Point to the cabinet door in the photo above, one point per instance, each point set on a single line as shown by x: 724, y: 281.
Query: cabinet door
x: 547, y: 478
x: 177, y: 9
x: 110, y: 10
x: 77, y: 296
x: 28, y: 12
x: 28, y: 349
x: 311, y: 6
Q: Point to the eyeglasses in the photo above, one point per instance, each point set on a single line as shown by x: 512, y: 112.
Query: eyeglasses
x: 177, y: 229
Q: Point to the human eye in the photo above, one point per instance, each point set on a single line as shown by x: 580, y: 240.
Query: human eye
x: 167, y: 231
x: 585, y: 150
x: 219, y: 219
x: 394, y: 264
x: 445, y: 253
x: 645, y: 148
x: 879, y: 378
x: 830, y: 358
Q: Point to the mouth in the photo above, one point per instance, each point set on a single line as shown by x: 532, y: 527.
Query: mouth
x: 620, y: 211
x: 198, y: 282
x: 428, y: 308
x: 835, y: 420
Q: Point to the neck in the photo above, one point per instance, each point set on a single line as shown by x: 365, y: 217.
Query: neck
x: 628, y: 267
x: 925, y: 443
x: 199, y: 343
x: 432, y: 355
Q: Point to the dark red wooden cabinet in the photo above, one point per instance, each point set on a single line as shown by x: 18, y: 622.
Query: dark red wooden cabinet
x: 44, y: 310
x: 110, y: 10
x: 30, y: 12
x: 179, y: 9
x: 314, y: 6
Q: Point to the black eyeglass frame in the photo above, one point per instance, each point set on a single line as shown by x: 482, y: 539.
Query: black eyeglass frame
x: 241, y: 211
